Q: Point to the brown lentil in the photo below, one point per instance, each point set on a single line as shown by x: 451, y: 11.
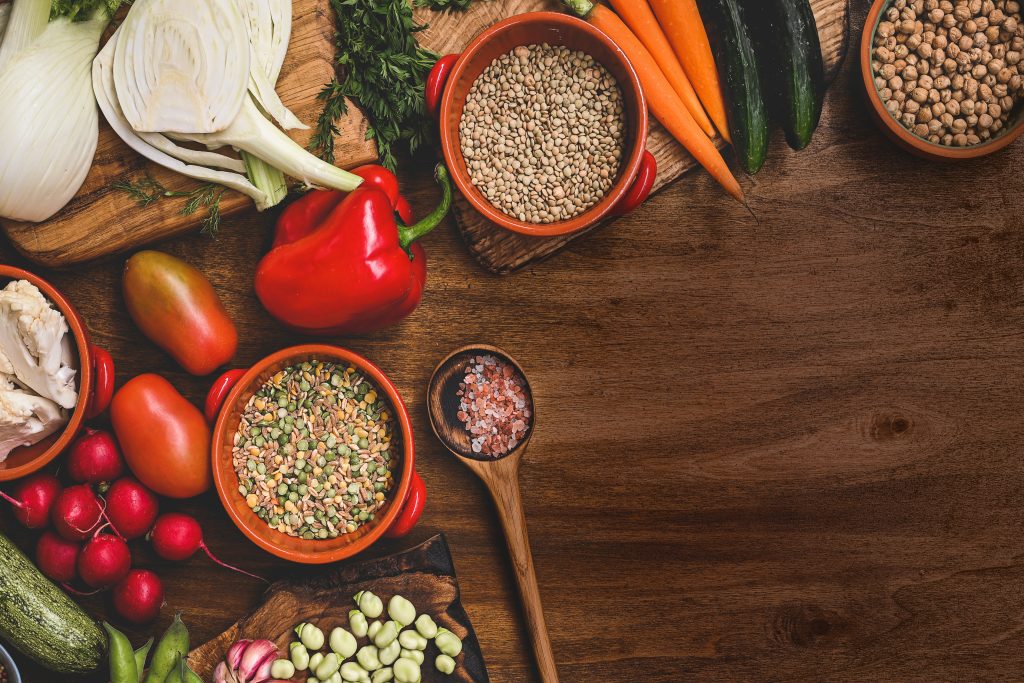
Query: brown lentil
x: 315, y: 449
x: 542, y: 133
x: 948, y: 70
x: 494, y: 406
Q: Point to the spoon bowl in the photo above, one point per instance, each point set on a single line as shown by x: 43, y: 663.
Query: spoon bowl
x: 501, y: 476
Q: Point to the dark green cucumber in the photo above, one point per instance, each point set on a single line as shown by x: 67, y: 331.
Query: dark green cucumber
x: 738, y: 71
x: 792, y: 68
x: 41, y: 621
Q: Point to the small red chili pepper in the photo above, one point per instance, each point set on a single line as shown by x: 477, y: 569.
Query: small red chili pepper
x: 641, y: 188
x: 411, y: 511
x: 343, y: 264
x: 436, y: 81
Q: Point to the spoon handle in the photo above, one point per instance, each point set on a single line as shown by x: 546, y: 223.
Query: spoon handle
x: 505, y: 492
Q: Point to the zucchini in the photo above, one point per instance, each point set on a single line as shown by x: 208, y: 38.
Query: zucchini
x: 792, y: 68
x: 41, y: 621
x: 738, y: 71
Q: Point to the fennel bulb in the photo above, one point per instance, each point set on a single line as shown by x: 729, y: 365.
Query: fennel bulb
x: 26, y: 20
x: 5, y: 14
x: 49, y: 126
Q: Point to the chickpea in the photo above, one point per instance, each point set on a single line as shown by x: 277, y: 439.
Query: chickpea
x: 960, y: 140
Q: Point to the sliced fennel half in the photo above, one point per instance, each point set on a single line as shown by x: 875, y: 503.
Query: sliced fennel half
x: 49, y: 125
x: 157, y: 147
x: 182, y: 66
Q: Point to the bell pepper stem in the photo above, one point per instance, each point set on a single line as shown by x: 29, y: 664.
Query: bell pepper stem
x: 407, y: 234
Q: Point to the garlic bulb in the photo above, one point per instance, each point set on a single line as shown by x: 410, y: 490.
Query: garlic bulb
x: 248, y: 661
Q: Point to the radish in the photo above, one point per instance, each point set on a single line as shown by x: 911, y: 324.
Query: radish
x: 94, y: 458
x: 139, y: 596
x: 177, y: 537
x: 33, y: 499
x: 77, y: 512
x: 104, y: 561
x: 56, y: 557
x: 131, y: 508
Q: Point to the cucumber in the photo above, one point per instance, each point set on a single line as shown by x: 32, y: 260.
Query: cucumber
x: 792, y: 68
x: 41, y: 621
x: 738, y: 71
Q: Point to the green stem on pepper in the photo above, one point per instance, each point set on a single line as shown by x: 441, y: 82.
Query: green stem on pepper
x: 407, y: 234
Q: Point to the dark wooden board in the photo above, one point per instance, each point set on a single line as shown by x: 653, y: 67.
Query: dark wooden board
x: 424, y: 574
x: 501, y: 251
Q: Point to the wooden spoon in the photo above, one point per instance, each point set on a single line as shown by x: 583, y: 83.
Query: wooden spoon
x: 501, y: 476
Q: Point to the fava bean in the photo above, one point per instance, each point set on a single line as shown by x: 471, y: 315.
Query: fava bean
x: 448, y: 643
x: 350, y: 671
x: 299, y: 655
x: 312, y: 637
x: 314, y: 661
x: 172, y: 643
x: 406, y: 671
x: 368, y: 658
x: 401, y: 610
x: 414, y: 655
x: 444, y: 664
x: 312, y: 679
x: 357, y: 623
x: 387, y: 634
x: 388, y: 655
x: 374, y: 628
x: 343, y: 642
x: 123, y: 668
x: 327, y: 666
x: 411, y: 640
x: 425, y: 626
x: 140, y: 657
x: 335, y: 678
x: 282, y: 668
x: 385, y: 675
x: 369, y: 604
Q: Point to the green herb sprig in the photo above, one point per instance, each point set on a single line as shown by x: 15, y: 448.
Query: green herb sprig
x: 148, y: 190
x: 385, y: 72
x: 83, y: 10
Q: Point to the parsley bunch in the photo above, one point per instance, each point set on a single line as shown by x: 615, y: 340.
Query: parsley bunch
x: 385, y: 72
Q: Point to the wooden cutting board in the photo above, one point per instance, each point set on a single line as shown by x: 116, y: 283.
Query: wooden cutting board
x: 102, y: 220
x: 424, y: 574
x: 501, y: 251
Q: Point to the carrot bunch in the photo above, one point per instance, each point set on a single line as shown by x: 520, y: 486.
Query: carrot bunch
x: 667, y: 44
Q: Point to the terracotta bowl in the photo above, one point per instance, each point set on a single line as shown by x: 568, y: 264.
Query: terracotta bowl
x: 224, y: 405
x: 903, y: 137
x: 95, y: 384
x: 450, y: 81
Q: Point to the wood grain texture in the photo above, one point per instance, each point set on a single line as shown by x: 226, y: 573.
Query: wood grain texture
x: 786, y: 450
x: 424, y: 574
x: 503, y: 252
x: 101, y: 220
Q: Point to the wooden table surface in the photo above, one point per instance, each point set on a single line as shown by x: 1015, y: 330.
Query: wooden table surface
x: 777, y: 450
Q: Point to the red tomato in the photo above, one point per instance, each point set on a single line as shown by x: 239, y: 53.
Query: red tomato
x: 164, y: 438
x: 177, y: 308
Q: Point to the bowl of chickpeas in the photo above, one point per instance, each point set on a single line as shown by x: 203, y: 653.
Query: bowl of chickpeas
x: 945, y: 78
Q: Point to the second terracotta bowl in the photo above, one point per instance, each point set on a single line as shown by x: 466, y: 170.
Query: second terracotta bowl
x: 454, y: 75
x: 224, y: 405
x: 95, y: 383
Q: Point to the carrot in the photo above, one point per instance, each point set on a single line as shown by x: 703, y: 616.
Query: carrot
x: 680, y: 19
x: 638, y: 16
x: 662, y: 100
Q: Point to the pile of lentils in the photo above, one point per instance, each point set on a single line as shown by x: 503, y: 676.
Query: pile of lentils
x: 315, y: 450
x: 494, y: 406
x: 543, y: 133
x: 949, y: 71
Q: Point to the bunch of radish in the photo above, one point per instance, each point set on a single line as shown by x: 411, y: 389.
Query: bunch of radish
x: 85, y: 535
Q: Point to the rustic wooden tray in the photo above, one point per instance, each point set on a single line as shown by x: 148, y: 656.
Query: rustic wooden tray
x: 424, y: 574
x: 501, y: 251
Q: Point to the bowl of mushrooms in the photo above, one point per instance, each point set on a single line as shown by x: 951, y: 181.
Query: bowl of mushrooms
x: 945, y: 78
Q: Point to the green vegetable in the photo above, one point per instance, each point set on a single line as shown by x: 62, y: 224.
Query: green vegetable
x: 41, y: 621
x: 357, y: 623
x: 411, y: 640
x: 173, y: 644
x: 444, y: 664
x: 415, y: 655
x: 140, y: 657
x: 299, y: 655
x: 326, y: 668
x: 407, y: 671
x: 311, y: 636
x: 369, y: 604
x: 147, y: 190
x: 383, y: 676
x: 123, y: 667
x: 741, y: 81
x: 282, y: 668
x: 387, y: 634
x: 343, y: 642
x: 368, y: 658
x: 792, y: 69
x: 350, y: 671
x: 426, y: 627
x: 387, y: 655
x: 448, y: 643
x: 401, y: 610
x: 177, y: 672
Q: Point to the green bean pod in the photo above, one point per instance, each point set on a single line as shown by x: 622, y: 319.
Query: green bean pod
x: 177, y: 672
x: 141, y: 655
x: 173, y: 644
x: 122, y: 658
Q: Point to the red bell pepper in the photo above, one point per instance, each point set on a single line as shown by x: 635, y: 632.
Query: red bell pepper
x: 345, y: 264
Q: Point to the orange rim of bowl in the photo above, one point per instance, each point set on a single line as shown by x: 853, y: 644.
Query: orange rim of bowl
x: 85, y: 381
x: 457, y: 164
x: 896, y: 129
x: 227, y: 490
